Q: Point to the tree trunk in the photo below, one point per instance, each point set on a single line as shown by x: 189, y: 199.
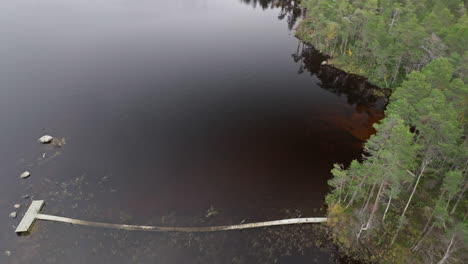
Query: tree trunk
x: 386, y: 209
x: 341, y: 190
x: 428, y: 221
x: 347, y: 192
x: 368, y: 199
x: 374, y: 209
x: 356, y: 191
x: 394, y: 18
x: 345, y: 46
x: 341, y: 46
x: 423, y: 167
x: 396, y: 70
x: 362, y: 182
x: 447, y: 252
x: 376, y: 203
x: 418, y: 245
x: 460, y: 196
x: 333, y: 46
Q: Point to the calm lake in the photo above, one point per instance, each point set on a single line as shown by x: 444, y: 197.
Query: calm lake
x: 166, y: 111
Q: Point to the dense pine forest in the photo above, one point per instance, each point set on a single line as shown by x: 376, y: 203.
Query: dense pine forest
x: 385, y: 40
x: 404, y: 200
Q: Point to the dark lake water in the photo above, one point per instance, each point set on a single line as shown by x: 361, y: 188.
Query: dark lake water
x: 168, y: 108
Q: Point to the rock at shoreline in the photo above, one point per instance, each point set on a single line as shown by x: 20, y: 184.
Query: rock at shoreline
x: 25, y: 175
x: 324, y: 62
x: 7, y: 253
x: 13, y: 214
x: 17, y: 206
x: 45, y: 139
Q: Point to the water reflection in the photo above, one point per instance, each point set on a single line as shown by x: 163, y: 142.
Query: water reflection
x: 356, y: 88
x: 168, y: 110
x: 288, y: 8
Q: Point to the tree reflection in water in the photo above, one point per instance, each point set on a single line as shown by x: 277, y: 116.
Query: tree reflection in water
x: 356, y: 88
x: 288, y: 8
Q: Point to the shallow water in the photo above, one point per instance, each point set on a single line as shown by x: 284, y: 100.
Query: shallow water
x: 168, y: 108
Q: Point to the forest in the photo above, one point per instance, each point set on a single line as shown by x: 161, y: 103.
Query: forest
x: 385, y: 40
x: 404, y: 200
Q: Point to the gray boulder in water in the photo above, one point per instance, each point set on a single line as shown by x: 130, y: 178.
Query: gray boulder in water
x: 45, y: 139
x: 25, y: 175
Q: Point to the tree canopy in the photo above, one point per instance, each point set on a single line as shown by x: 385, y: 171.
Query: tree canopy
x: 405, y: 199
x: 385, y: 40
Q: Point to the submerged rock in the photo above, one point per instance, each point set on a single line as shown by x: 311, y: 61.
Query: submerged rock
x: 26, y: 196
x: 59, y: 142
x: 45, y: 139
x: 17, y: 206
x: 25, y: 175
x: 7, y: 253
x: 211, y: 212
x: 13, y: 214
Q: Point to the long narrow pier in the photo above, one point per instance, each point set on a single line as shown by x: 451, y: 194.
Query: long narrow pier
x: 34, y: 214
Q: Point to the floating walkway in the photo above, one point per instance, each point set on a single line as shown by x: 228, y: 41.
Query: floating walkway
x: 33, y: 214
